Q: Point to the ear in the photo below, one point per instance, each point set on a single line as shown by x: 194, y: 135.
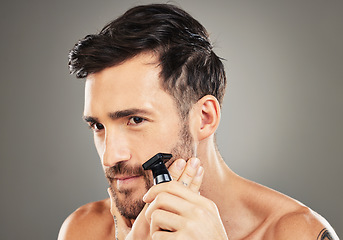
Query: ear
x: 208, y: 114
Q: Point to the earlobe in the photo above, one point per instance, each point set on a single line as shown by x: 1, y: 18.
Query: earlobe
x: 209, y: 113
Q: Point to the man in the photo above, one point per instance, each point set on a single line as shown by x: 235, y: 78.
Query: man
x: 153, y: 84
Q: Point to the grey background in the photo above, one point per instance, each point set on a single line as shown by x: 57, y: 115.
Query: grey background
x: 282, y: 116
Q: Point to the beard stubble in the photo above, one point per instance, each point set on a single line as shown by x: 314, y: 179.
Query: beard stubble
x: 130, y: 207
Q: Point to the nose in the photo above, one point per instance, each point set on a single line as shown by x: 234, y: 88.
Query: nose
x: 116, y: 150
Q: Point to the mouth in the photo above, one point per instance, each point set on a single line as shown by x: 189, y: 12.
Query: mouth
x: 126, y: 179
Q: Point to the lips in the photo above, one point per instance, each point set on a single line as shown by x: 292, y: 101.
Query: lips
x: 126, y: 179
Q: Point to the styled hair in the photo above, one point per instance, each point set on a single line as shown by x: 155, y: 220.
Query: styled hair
x: 189, y: 67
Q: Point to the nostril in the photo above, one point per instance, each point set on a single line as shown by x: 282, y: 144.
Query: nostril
x: 111, y: 158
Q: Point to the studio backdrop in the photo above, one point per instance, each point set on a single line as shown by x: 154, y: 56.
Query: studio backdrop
x: 282, y: 117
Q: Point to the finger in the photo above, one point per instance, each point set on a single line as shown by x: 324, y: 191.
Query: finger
x: 175, y: 188
x: 163, y: 220
x: 197, y: 180
x: 190, y: 171
x: 177, y: 168
x: 168, y: 202
x: 163, y: 235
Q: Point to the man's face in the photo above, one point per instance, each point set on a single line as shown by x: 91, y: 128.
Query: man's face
x: 133, y: 119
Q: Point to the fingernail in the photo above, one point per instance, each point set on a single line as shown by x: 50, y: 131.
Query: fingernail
x: 200, y: 171
x: 144, y: 197
x: 195, y: 162
x: 181, y: 164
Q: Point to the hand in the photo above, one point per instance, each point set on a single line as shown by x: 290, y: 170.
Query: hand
x: 141, y: 227
x: 179, y: 212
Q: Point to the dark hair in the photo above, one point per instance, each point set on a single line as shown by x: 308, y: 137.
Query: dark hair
x: 190, y: 69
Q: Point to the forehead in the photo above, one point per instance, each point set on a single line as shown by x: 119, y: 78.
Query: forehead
x: 132, y: 84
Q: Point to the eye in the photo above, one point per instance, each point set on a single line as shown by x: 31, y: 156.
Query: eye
x: 135, y: 120
x: 96, y: 126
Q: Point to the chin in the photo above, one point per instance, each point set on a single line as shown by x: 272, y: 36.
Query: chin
x: 130, y: 205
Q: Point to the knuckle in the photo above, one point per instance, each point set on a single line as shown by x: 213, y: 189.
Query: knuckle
x: 158, y: 198
x: 199, y: 212
x: 212, y: 206
x: 155, y: 236
x: 170, y: 186
x: 189, y: 172
x: 154, y: 216
x: 189, y: 225
x: 174, y: 173
x: 161, y: 197
x: 195, y: 186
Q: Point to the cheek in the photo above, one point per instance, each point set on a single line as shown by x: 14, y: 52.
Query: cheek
x: 166, y: 138
x: 154, y: 140
x: 142, y: 142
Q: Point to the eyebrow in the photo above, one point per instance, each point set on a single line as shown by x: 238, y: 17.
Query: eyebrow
x: 90, y: 119
x: 128, y: 112
x: 120, y: 114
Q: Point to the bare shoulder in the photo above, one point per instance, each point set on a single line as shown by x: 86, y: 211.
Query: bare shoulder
x: 303, y: 223
x: 91, y: 221
x: 282, y: 217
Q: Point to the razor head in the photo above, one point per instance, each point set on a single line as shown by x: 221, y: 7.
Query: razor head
x: 159, y: 170
x: 157, y: 159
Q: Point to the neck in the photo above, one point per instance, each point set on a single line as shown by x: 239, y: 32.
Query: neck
x: 219, y: 180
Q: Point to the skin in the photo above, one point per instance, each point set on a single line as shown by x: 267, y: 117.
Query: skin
x: 206, y: 200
